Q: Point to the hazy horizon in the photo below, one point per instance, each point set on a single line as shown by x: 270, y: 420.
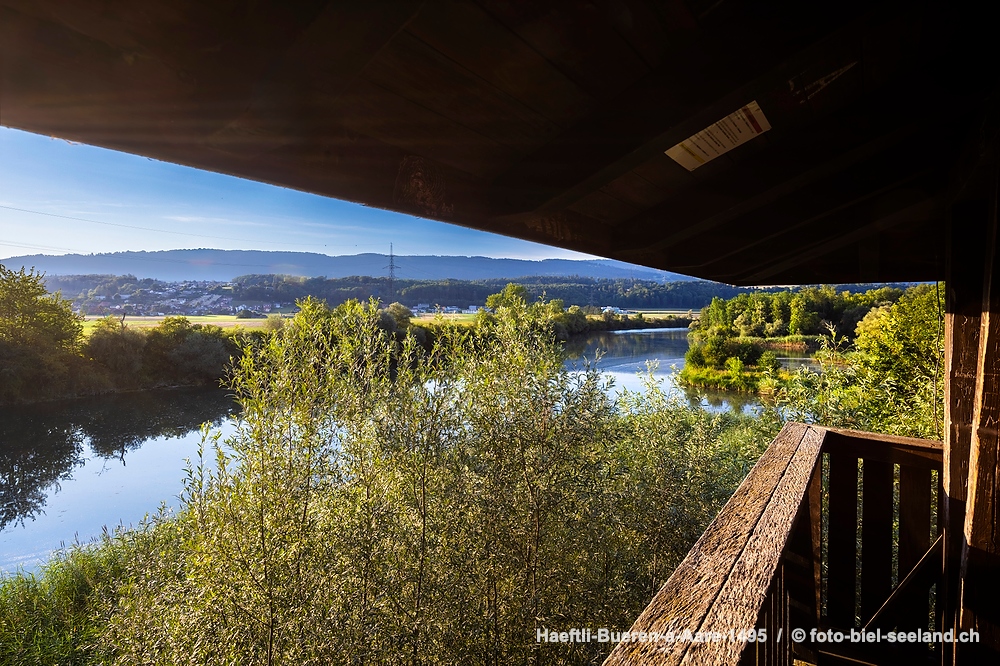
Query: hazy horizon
x: 215, y: 264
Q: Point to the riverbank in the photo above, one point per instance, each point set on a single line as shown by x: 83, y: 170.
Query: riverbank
x: 567, y: 325
x: 744, y: 380
x: 116, y: 358
x: 734, y: 341
x: 174, y: 352
x: 796, y: 343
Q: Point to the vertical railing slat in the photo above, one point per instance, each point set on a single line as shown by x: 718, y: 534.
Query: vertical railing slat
x: 876, y: 536
x: 914, y: 516
x: 784, y: 647
x: 939, y: 594
x: 914, y: 533
x: 781, y: 601
x: 842, y: 548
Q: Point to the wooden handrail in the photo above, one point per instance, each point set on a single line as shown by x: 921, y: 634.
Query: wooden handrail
x: 725, y: 578
x: 760, y: 563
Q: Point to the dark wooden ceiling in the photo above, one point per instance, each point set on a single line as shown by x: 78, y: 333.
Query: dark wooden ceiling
x: 547, y: 121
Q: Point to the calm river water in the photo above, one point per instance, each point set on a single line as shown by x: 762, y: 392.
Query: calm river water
x: 69, y: 469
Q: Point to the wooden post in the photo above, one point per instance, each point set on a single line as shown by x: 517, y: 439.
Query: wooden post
x: 966, y: 258
x: 980, y: 568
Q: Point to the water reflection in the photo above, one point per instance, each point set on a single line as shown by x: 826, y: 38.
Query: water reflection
x: 792, y: 360
x: 624, y: 355
x: 42, y: 444
x: 35, y: 456
x: 648, y: 343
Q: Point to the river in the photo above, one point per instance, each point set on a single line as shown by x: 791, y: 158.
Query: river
x: 628, y: 356
x: 69, y: 469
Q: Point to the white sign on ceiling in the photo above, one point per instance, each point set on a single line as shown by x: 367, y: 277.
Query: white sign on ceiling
x: 719, y: 138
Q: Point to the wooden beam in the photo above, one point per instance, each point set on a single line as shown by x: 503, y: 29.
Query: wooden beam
x: 970, y: 254
x: 741, y: 596
x: 636, y: 123
x: 344, y: 38
x: 815, y: 156
x: 915, y: 206
x: 858, y: 176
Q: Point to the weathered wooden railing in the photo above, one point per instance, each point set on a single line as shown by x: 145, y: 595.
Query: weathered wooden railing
x: 832, y: 531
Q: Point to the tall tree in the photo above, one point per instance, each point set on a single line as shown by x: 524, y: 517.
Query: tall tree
x: 30, y: 316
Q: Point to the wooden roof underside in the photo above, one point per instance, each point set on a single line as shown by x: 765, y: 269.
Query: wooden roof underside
x: 546, y: 121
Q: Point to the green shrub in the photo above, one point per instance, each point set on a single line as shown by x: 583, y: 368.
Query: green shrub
x: 891, y: 382
x: 119, y: 349
x: 694, y: 357
x: 274, y: 322
x: 769, y: 361
x: 400, y: 314
x: 715, y: 350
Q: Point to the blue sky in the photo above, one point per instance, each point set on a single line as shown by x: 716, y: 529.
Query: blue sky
x: 126, y: 202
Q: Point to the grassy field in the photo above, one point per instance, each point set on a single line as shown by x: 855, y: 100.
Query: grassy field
x: 224, y: 321
x: 460, y: 318
x: 229, y: 321
x: 664, y: 313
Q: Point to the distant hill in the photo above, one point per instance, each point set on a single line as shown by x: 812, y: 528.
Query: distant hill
x: 204, y: 264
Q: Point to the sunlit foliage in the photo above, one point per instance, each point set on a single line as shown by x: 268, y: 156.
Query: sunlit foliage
x: 890, y: 381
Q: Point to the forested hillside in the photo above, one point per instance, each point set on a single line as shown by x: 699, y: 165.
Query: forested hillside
x: 572, y: 290
x: 624, y: 293
x: 97, y: 293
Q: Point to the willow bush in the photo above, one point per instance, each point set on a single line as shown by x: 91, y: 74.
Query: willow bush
x: 385, y: 503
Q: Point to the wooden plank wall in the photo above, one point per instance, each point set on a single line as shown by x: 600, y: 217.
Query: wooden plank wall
x: 963, y: 313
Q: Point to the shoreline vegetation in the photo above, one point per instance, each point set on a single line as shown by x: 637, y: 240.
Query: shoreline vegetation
x: 733, y: 342
x: 49, y: 353
x: 880, y: 356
